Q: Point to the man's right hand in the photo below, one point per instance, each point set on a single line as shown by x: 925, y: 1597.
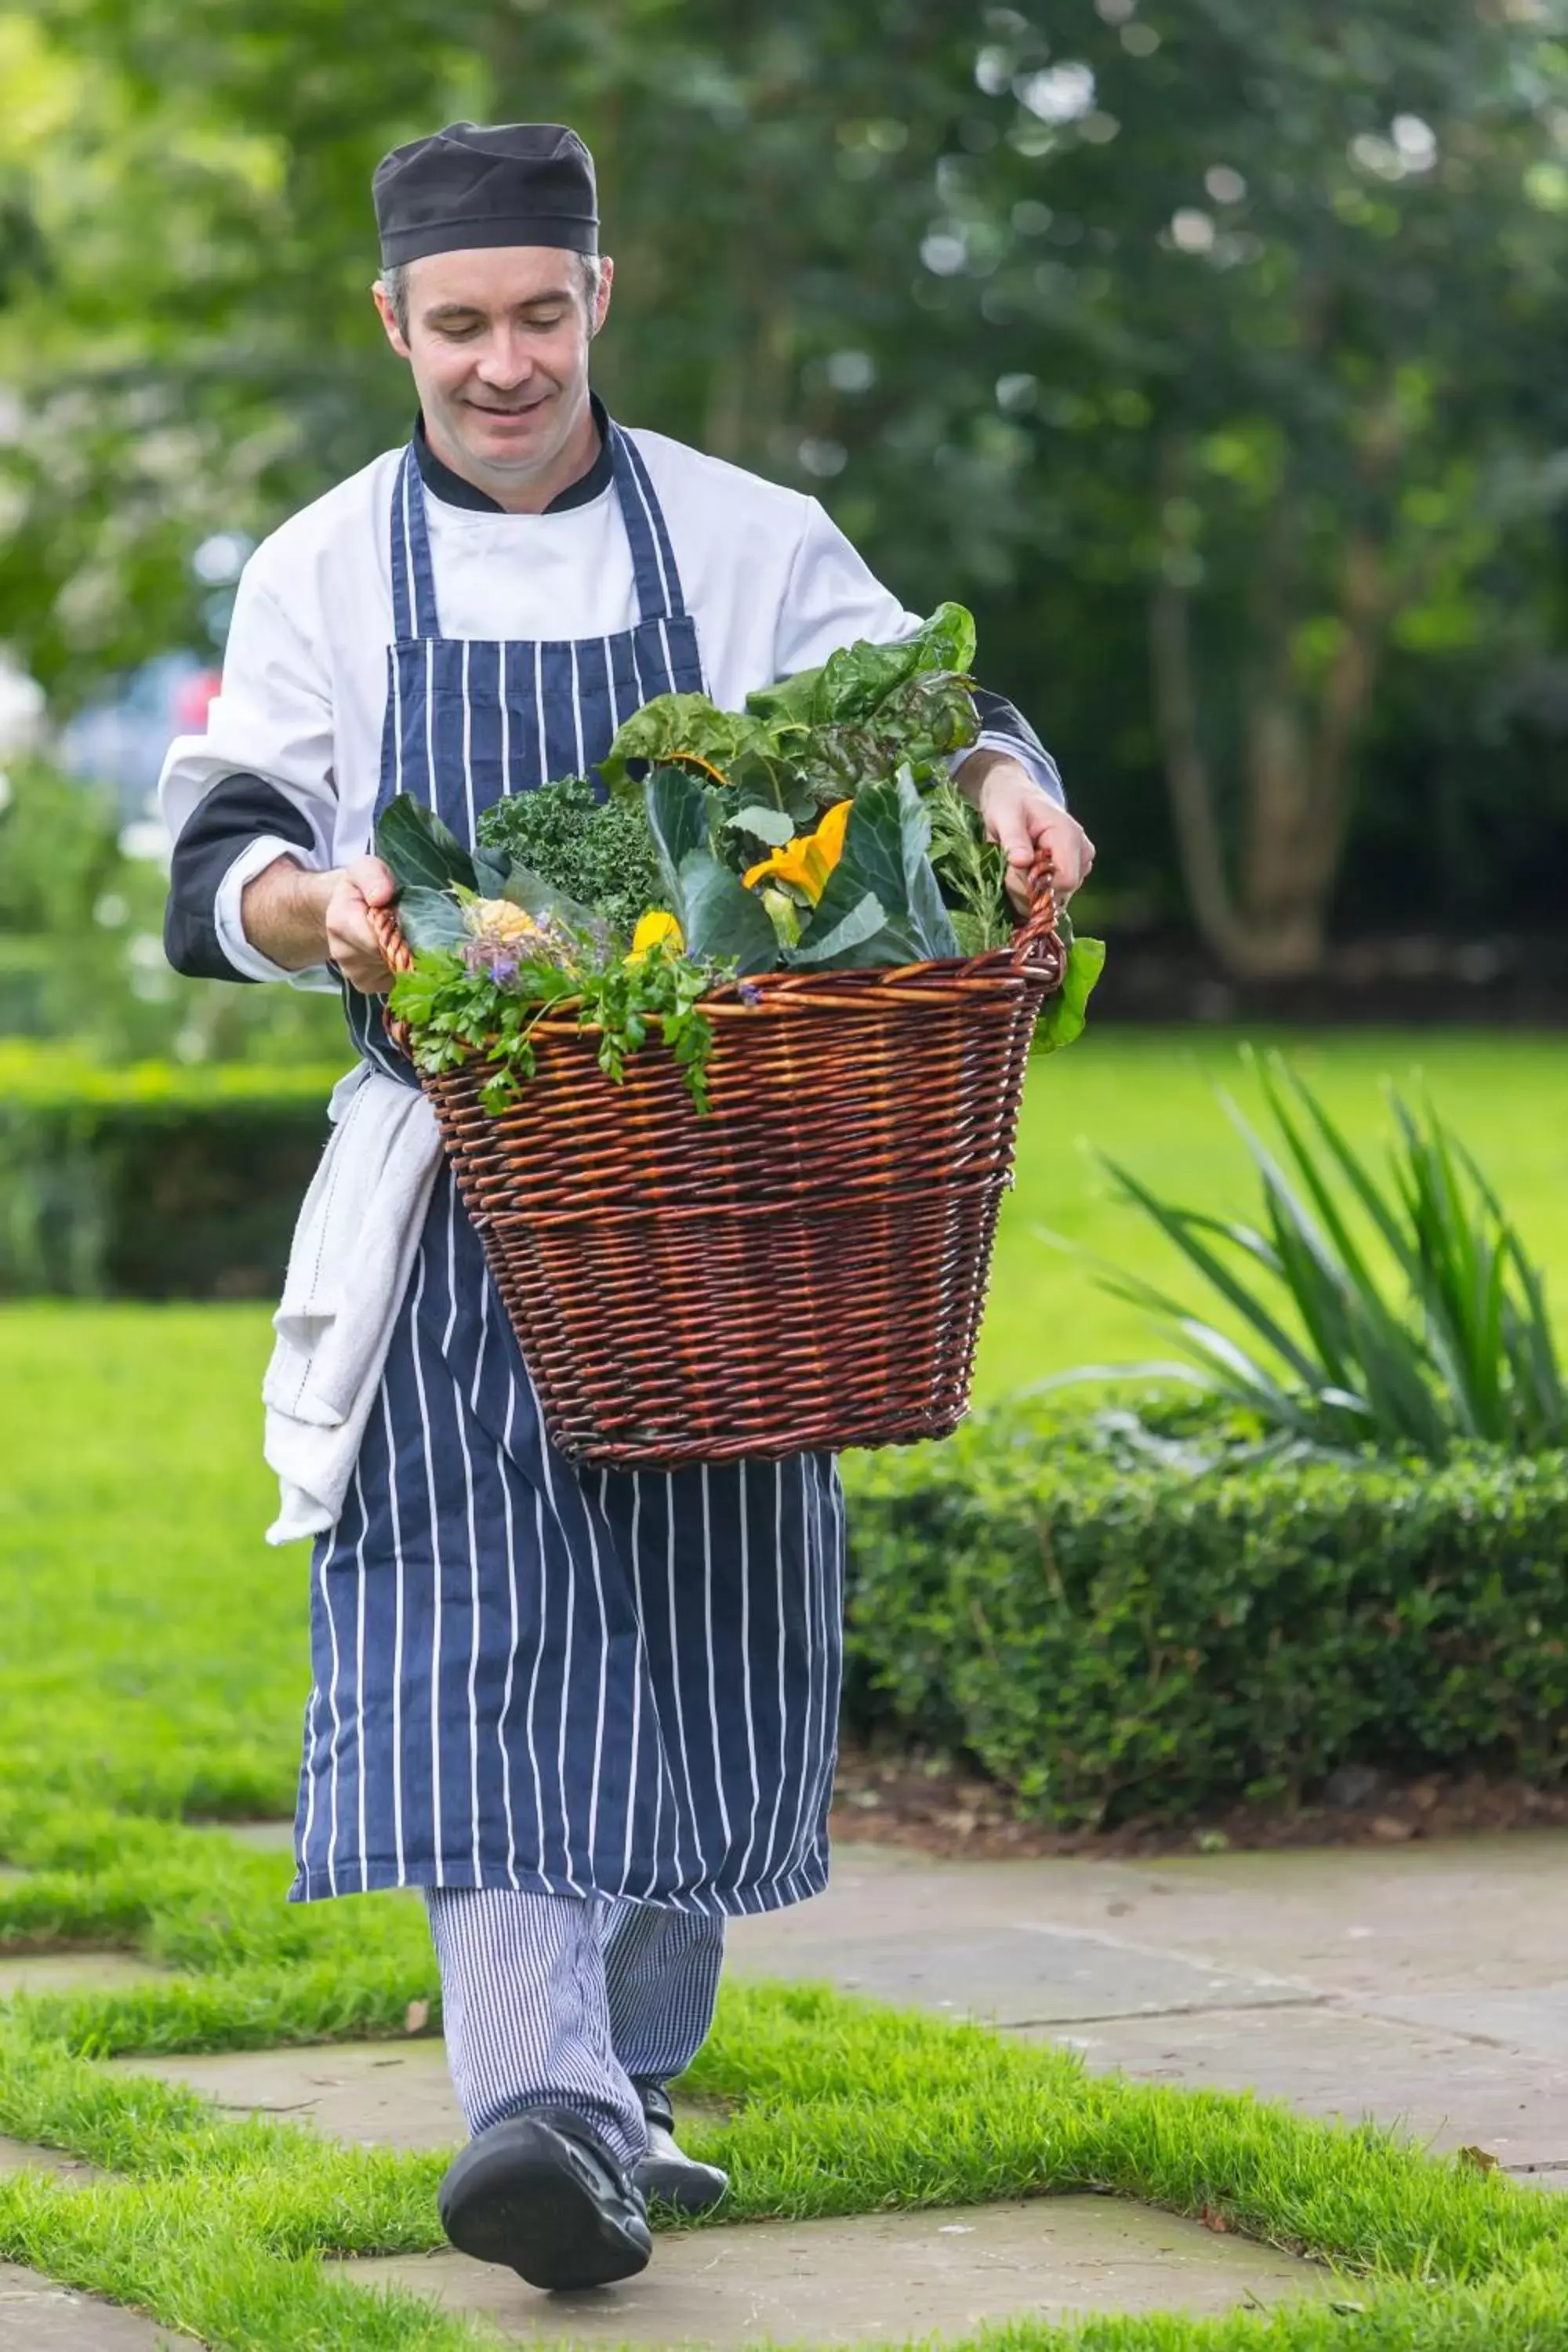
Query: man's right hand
x: 297, y: 918
x: 351, y: 943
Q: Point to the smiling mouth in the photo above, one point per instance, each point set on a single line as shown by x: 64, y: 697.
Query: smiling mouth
x: 482, y: 408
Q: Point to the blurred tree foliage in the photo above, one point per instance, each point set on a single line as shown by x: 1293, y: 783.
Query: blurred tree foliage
x: 1208, y: 348
x: 81, y: 948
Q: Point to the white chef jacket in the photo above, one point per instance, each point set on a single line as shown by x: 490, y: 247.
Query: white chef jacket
x: 772, y: 584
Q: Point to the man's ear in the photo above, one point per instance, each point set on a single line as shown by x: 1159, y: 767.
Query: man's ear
x: 607, y: 284
x: 389, y: 320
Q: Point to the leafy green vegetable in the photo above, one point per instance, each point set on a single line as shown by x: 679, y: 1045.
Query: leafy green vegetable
x: 766, y: 824
x: 816, y: 738
x: 885, y: 858
x: 722, y: 919
x: 420, y: 851
x: 590, y: 854
x: 429, y: 919
x: 973, y: 872
x: 1062, y: 1020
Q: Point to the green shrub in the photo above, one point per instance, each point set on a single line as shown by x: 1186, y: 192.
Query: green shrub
x: 1113, y: 1637
x: 152, y: 1182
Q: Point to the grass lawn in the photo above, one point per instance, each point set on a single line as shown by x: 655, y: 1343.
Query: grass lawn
x: 153, y: 1667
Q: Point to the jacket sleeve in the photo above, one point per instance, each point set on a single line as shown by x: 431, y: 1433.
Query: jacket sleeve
x: 232, y: 824
x: 833, y: 597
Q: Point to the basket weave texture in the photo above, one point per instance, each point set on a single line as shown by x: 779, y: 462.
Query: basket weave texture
x: 803, y: 1269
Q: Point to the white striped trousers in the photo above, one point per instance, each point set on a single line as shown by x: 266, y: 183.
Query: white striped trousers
x: 570, y: 2001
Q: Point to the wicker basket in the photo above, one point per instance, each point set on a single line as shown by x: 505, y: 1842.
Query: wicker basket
x: 806, y: 1268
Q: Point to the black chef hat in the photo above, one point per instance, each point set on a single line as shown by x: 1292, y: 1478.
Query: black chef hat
x: 509, y: 184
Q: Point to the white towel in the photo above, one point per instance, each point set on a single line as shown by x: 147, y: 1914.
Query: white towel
x: 348, y: 1269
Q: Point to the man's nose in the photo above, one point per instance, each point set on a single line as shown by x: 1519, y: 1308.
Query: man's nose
x: 506, y: 362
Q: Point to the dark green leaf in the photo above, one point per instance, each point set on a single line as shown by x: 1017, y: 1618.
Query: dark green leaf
x: 863, y: 922
x: 678, y: 820
x: 723, y: 921
x: 419, y: 849
x: 430, y: 918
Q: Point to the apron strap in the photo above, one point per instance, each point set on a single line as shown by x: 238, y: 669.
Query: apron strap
x: 653, y: 557
x: 414, y: 612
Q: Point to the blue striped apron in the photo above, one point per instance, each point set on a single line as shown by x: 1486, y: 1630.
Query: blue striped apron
x: 606, y: 1684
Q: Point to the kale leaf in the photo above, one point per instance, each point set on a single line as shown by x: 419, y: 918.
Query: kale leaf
x: 600, y: 854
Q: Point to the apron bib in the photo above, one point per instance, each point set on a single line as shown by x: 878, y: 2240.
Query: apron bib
x: 595, y: 1684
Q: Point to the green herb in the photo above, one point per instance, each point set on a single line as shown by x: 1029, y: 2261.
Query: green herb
x: 599, y: 853
x: 456, y: 1013
x: 972, y: 872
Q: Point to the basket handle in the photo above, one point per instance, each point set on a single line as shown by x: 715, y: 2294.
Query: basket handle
x: 1038, y: 928
x: 397, y: 956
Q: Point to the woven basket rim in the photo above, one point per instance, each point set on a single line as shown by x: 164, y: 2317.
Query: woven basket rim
x: 1036, y: 954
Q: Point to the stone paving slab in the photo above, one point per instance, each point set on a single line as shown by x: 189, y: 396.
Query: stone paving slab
x: 1533, y: 2017
x: 1431, y: 1917
x: 881, y: 2278
x: 398, y: 2093
x: 1022, y: 1972
x: 20, y: 2156
x: 38, y: 2316
x: 375, y: 2094
x: 1442, y: 2091
x: 73, y: 1972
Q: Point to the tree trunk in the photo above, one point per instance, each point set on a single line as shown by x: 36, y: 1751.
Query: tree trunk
x: 1271, y: 921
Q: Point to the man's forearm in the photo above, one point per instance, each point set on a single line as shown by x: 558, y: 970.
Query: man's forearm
x: 283, y: 912
x: 971, y: 775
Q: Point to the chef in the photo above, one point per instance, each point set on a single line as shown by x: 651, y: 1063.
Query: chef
x: 591, y: 1716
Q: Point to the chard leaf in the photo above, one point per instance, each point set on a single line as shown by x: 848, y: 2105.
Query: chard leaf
x: 673, y: 723
x: 769, y: 824
x: 723, y: 921
x: 948, y: 639
x: 863, y: 922
x: 420, y: 851
x: 1064, y: 1015
x: 430, y: 918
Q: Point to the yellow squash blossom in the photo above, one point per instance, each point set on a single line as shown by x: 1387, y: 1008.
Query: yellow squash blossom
x: 656, y: 927
x: 809, y: 859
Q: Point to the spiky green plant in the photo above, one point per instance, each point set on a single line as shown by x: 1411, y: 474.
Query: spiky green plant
x: 1397, y: 1309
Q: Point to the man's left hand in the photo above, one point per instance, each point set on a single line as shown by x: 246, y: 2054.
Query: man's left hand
x: 1018, y: 815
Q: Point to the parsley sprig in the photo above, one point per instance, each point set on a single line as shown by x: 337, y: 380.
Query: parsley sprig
x: 456, y: 1014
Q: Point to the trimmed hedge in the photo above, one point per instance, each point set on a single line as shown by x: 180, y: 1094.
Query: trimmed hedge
x: 152, y: 1181
x: 1111, y: 1639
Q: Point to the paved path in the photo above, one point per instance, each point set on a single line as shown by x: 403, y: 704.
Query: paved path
x: 1425, y: 1985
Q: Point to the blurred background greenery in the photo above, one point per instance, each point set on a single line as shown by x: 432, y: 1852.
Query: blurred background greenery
x: 1210, y: 350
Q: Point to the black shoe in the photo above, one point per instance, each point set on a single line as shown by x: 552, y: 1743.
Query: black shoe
x: 542, y: 2193
x: 667, y: 2172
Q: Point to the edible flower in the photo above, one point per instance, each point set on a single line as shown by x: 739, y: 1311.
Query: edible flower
x: 809, y: 859
x: 657, y: 928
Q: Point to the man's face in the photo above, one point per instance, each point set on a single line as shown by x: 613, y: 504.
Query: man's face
x: 497, y: 339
